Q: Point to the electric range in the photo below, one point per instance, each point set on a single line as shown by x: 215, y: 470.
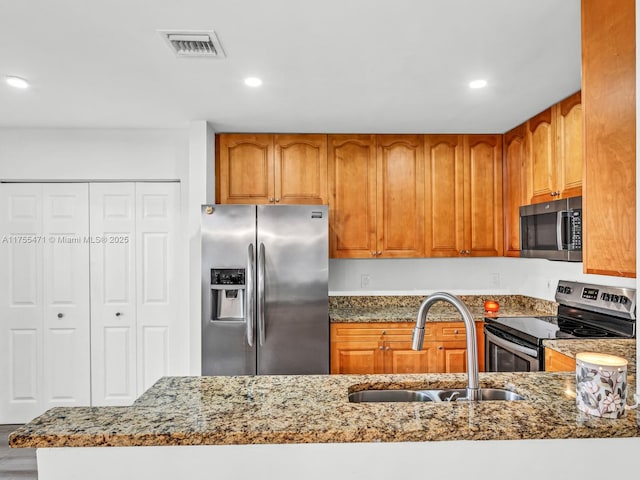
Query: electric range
x: 515, y: 344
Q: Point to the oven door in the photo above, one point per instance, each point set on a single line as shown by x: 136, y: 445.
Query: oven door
x: 506, y: 353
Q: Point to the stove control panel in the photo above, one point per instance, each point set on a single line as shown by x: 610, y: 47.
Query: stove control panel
x: 616, y: 301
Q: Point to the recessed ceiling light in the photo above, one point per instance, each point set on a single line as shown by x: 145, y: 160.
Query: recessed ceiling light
x: 478, y: 83
x: 17, y: 81
x: 252, y: 82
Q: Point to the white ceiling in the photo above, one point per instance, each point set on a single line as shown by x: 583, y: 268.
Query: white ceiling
x: 327, y: 65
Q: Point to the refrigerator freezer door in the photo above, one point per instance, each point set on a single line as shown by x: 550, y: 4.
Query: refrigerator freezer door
x: 295, y: 331
x: 228, y: 232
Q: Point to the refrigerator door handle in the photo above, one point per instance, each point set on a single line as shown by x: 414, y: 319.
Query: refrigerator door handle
x: 249, y: 299
x: 261, y: 283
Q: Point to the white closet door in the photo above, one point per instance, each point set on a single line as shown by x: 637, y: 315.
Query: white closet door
x: 21, y: 247
x: 113, y: 293
x: 66, y: 295
x: 157, y: 217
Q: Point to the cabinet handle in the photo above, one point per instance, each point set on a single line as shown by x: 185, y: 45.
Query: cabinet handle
x: 60, y: 315
x: 118, y: 314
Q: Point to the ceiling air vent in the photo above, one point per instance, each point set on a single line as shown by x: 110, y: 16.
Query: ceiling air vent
x: 194, y: 44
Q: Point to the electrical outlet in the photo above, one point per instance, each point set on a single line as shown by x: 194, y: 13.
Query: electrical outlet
x: 365, y: 280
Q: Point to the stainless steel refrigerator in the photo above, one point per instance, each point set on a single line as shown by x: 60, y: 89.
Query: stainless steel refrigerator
x: 265, y: 272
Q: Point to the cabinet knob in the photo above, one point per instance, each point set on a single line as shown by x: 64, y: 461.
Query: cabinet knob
x: 277, y: 200
x: 384, y: 332
x: 456, y: 331
x: 271, y: 199
x: 388, y: 348
x: 60, y: 315
x: 373, y: 254
x: 461, y: 252
x: 380, y: 347
x: 118, y: 314
x: 555, y: 194
x: 468, y: 252
x: 440, y: 347
x: 378, y: 253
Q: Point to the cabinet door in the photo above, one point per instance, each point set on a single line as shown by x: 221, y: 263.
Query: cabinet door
x: 558, y: 362
x: 400, y: 196
x: 300, y: 169
x: 357, y: 357
x: 483, y: 189
x: 66, y: 326
x: 444, y: 206
x: 542, y: 156
x: 246, y: 169
x: 452, y: 357
x: 158, y: 322
x: 569, y: 148
x: 113, y: 293
x: 21, y: 302
x: 514, y: 187
x: 399, y: 357
x: 609, y: 99
x: 352, y: 197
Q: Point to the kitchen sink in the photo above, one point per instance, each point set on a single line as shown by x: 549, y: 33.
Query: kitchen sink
x: 445, y: 395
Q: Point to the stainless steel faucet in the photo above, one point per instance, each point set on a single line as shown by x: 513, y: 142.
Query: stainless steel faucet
x: 473, y: 392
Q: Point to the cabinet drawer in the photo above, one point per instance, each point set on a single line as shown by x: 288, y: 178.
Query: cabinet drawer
x: 363, y: 331
x: 450, y: 331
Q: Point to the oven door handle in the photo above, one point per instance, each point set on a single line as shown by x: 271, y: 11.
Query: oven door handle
x: 507, y: 345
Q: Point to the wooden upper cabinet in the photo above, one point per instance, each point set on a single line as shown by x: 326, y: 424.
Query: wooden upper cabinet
x: 463, y: 195
x: 352, y: 196
x: 400, y: 196
x: 300, y: 170
x: 542, y: 155
x: 244, y: 169
x: 514, y: 189
x: 266, y: 168
x: 376, y: 185
x: 555, y: 150
x: 569, y: 146
x: 609, y: 97
x: 444, y: 205
x: 483, y: 195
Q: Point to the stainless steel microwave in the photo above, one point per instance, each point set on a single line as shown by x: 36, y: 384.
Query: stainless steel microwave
x: 552, y: 230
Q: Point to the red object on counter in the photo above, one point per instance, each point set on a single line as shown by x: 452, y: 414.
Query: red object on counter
x: 491, y: 306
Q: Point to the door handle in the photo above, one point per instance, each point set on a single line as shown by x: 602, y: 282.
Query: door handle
x: 261, y: 326
x: 249, y: 300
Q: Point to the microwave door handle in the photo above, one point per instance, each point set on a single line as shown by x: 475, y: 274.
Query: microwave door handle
x: 559, y: 239
x: 249, y: 299
x: 510, y: 345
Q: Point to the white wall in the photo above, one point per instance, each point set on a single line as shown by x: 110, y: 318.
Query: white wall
x: 470, y: 276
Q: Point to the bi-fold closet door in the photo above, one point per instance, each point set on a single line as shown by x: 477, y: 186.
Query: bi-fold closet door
x: 134, y: 304
x: 88, y: 293
x: 44, y: 298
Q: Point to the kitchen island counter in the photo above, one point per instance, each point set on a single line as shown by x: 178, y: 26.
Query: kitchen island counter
x: 315, y: 409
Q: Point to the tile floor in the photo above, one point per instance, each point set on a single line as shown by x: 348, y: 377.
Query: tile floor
x: 16, y: 463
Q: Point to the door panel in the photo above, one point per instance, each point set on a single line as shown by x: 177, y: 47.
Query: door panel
x: 352, y: 201
x: 300, y: 169
x: 66, y: 295
x: 113, y: 309
x: 158, y: 319
x: 296, y: 288
x: 21, y: 302
x: 444, y: 204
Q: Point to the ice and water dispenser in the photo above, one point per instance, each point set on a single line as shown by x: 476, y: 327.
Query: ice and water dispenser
x: 228, y: 290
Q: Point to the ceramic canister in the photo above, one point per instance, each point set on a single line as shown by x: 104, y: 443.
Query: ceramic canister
x: 601, y: 384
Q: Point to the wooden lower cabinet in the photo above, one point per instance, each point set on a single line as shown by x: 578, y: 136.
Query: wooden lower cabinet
x: 558, y: 362
x: 367, y: 348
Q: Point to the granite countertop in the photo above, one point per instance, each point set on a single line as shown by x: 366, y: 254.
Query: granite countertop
x: 625, y: 348
x: 405, y: 308
x: 315, y: 409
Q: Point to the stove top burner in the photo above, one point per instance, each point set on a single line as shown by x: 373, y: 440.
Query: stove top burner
x: 586, y: 332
